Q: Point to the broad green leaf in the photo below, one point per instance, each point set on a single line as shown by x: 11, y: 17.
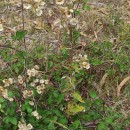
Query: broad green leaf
x: 51, y: 126
x: 19, y: 35
x: 13, y: 120
x: 0, y: 37
x: 50, y: 64
x: 64, y: 51
x: 96, y: 62
x: 78, y: 97
x: 10, y: 94
x: 76, y: 67
x: 1, y: 100
x: 109, y: 120
x: 93, y: 94
x: 74, y: 108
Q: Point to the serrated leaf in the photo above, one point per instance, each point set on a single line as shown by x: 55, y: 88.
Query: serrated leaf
x: 78, y: 97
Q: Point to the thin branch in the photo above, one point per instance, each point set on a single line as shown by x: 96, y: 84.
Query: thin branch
x: 24, y: 40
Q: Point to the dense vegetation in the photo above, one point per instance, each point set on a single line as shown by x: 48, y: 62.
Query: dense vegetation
x: 64, y: 65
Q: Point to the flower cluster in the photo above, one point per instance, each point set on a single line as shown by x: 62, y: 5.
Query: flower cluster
x: 4, y: 90
x: 82, y: 60
x: 37, y: 5
x: 35, y: 114
x: 24, y: 126
x: 8, y: 82
x: 32, y: 72
x: 27, y: 93
x: 39, y: 84
x: 4, y: 93
x: 34, y: 80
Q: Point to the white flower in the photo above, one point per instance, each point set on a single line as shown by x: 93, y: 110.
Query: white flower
x: 73, y: 21
x: 31, y: 103
x: 6, y: 82
x: 34, y: 72
x: 57, y: 23
x: 38, y: 117
x: 11, y: 80
x: 37, y: 0
x: 36, y: 67
x: 27, y: 6
x: 20, y: 125
x: 41, y: 5
x: 29, y: 72
x: 27, y: 93
x: 39, y: 91
x: 59, y: 2
x: 42, y: 81
x: 20, y: 79
x: 71, y: 10
x: 38, y: 12
x: 50, y: 12
x: 40, y: 88
x: 10, y: 99
x: 29, y: 126
x: 85, y: 57
x: 46, y: 81
x: 85, y: 65
x: 36, y: 81
x: 1, y: 27
x: 80, y: 56
x: 35, y: 113
x: 23, y: 126
x: 32, y: 84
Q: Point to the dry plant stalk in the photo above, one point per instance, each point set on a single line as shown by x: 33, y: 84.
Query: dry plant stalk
x: 119, y: 87
x: 101, y: 83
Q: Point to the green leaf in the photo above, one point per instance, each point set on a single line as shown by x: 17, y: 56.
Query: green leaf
x: 19, y: 35
x: 77, y: 12
x: 10, y: 94
x: 10, y: 111
x: 63, y: 120
x: 29, y: 109
x: 16, y: 69
x: 96, y: 62
x: 76, y: 67
x: 50, y: 64
x: 20, y: 54
x: 64, y: 51
x: 51, y: 126
x: 54, y: 118
x: 0, y: 37
x: 78, y: 97
x: 88, y: 7
x: 108, y: 120
x: 93, y: 94
x: 76, y: 123
x: 1, y: 100
x: 74, y: 108
x: 13, y: 120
